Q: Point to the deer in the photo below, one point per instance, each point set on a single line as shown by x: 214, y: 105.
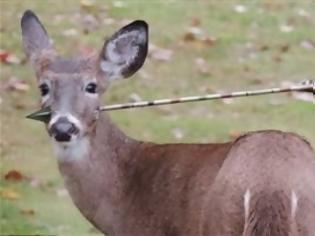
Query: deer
x: 259, y: 184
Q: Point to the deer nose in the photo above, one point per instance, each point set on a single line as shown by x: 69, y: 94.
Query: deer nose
x: 62, y: 130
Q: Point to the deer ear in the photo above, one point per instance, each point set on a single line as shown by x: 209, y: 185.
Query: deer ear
x: 125, y: 52
x: 34, y: 36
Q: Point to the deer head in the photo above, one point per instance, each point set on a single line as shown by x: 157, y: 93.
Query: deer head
x: 71, y: 88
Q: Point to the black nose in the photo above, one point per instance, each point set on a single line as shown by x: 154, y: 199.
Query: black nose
x: 62, y: 130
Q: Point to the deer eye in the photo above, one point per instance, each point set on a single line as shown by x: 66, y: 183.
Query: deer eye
x: 91, y: 87
x: 44, y: 89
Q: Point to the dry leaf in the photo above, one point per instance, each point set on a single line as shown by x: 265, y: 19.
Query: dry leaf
x: 119, y: 4
x: 9, y: 193
x: 8, y: 58
x: 35, y: 183
x: 86, y: 50
x: 89, y: 23
x: 195, y: 21
x: 227, y: 101
x: 70, y: 32
x: 27, y: 212
x: 307, y: 97
x: 62, y: 192
x: 234, y: 134
x: 87, y: 5
x: 307, y: 44
x: 14, y: 175
x: 3, y: 55
x: 160, y: 54
x: 240, y: 8
x: 285, y: 28
x: 202, y: 66
x: 178, y: 133
x: 143, y: 74
x: 13, y: 59
x: 193, y: 33
x: 134, y: 97
x: 303, y: 13
x: 284, y: 48
x: 209, y: 40
x: 108, y: 21
x: 15, y: 84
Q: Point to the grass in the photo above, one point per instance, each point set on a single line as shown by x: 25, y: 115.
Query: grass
x: 235, y: 60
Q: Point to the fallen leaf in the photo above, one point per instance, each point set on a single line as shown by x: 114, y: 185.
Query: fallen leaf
x: 209, y: 40
x: 193, y: 33
x: 277, y: 58
x: 160, y: 54
x: 234, y: 134
x: 109, y: 21
x: 178, y: 133
x: 285, y: 28
x: 88, y: 6
x: 303, y: 13
x: 227, y: 101
x: 3, y: 55
x: 70, y: 32
x: 195, y: 21
x: 9, y: 193
x: 89, y: 23
x: 27, y: 212
x: 35, y: 183
x: 306, y: 97
x: 307, y: 44
x: 240, y: 8
x: 62, y: 192
x: 143, y: 74
x: 15, y: 84
x: 8, y: 58
x: 303, y: 96
x: 264, y: 48
x: 134, y: 97
x: 86, y: 50
x: 196, y: 35
x: 202, y: 66
x: 14, y: 175
x: 119, y: 4
x: 276, y: 102
x: 284, y: 48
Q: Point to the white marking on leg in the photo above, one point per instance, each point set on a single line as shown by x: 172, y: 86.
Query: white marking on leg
x: 247, y: 204
x: 294, y: 204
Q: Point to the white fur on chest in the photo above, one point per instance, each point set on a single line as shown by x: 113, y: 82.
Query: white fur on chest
x: 73, y: 151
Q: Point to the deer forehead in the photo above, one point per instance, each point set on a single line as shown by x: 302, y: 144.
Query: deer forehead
x: 59, y: 77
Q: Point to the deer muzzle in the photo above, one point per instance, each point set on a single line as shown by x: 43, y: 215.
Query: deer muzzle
x: 63, y: 130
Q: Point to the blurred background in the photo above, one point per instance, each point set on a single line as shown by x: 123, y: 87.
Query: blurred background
x: 196, y: 47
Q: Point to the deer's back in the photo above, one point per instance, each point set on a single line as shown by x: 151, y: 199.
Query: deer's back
x: 272, y: 174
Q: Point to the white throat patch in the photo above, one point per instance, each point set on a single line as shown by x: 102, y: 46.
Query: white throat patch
x: 76, y: 150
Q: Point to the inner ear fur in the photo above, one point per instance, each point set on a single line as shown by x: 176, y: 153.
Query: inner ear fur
x: 124, y: 53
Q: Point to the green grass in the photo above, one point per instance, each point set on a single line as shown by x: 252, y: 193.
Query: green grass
x: 25, y: 145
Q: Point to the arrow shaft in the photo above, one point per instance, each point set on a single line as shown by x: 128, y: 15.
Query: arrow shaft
x: 301, y: 88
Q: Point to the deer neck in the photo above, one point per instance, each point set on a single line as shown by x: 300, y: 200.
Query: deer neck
x: 95, y: 178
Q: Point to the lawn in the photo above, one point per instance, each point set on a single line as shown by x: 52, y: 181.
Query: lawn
x: 197, y: 47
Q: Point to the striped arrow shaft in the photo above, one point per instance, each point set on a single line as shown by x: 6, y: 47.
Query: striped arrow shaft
x: 302, y: 88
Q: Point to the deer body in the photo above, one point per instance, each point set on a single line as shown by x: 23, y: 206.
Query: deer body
x: 263, y: 183
x: 140, y: 188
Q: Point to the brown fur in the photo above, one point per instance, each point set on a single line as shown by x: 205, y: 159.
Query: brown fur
x: 193, y: 189
x: 127, y: 187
